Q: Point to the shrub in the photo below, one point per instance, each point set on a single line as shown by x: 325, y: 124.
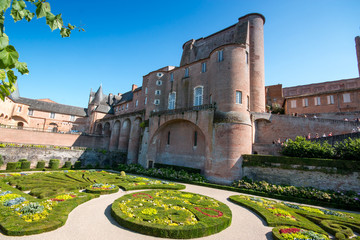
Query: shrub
x: 123, y: 174
x: 11, y: 165
x: 89, y: 166
x: 67, y: 164
x: 25, y: 165
x: 77, y: 165
x: 1, y: 160
x: 22, y: 160
x: 348, y: 149
x: 40, y: 164
x: 54, y: 163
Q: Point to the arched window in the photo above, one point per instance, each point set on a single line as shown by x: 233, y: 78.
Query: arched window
x: 172, y: 100
x: 198, y: 96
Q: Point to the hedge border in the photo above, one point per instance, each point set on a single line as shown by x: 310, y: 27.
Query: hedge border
x: 177, y: 168
x: 102, y: 191
x: 177, y: 232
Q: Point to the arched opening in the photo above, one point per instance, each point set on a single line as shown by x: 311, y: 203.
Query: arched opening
x: 98, y: 130
x: 107, y: 131
x: 124, y: 136
x: 180, y: 143
x: 115, y: 134
x: 20, y: 125
x: 53, y: 127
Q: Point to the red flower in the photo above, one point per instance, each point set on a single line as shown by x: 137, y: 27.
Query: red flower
x: 57, y: 200
x: 289, y: 230
x: 217, y: 211
x: 142, y: 195
x: 72, y: 195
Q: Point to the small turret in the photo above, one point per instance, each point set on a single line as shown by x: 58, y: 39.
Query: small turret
x: 98, y: 97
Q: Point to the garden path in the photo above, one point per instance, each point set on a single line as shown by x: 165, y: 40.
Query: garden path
x: 92, y: 221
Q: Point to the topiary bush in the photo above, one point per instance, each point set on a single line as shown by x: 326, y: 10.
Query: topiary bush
x: 77, y: 165
x: 1, y: 160
x: 25, y: 165
x: 54, y: 163
x: 67, y: 164
x: 40, y: 164
x: 11, y: 166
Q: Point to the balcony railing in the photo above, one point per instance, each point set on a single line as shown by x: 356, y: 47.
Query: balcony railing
x: 183, y: 110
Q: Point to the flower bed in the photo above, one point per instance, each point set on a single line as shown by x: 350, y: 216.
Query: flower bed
x: 100, y: 188
x: 293, y: 233
x: 135, y: 183
x: 171, y: 214
x: 318, y: 220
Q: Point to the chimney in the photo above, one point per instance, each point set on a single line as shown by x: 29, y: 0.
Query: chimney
x: 134, y: 87
x: 357, y: 45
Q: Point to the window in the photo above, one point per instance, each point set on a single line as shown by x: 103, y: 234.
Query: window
x: 317, y: 101
x: 195, y: 138
x: 346, y: 97
x: 168, y: 139
x: 186, y: 72
x: 305, y: 102
x: 293, y: 103
x: 171, y: 77
x: 72, y: 118
x: 157, y: 92
x: 172, y: 99
x: 203, y: 67
x: 248, y: 102
x: 157, y: 101
x: 220, y: 55
x: 198, y: 96
x: 30, y: 112
x: 330, y: 99
x: 210, y: 99
x: 146, y: 90
x: 145, y: 101
x: 247, y: 57
x: 136, y: 103
x: 122, y: 107
x: 239, y: 97
x: 127, y: 106
x: 52, y: 115
x: 19, y: 109
x: 159, y: 82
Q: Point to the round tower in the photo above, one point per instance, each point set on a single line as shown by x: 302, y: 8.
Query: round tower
x: 357, y: 45
x: 257, y: 69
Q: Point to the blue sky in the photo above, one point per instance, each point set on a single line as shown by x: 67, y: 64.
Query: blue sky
x: 306, y: 41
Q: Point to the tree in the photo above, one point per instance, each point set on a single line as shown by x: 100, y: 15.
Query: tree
x: 9, y: 57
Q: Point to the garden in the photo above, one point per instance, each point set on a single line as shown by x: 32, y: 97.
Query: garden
x: 291, y: 221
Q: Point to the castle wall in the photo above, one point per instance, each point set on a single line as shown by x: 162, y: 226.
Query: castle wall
x: 47, y: 138
x: 284, y: 126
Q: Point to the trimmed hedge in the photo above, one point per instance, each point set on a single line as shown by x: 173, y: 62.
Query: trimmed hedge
x: 25, y: 165
x: 77, y: 165
x: 40, y: 164
x: 54, y: 163
x: 102, y: 191
x: 177, y: 168
x: 67, y: 164
x: 1, y: 160
x: 192, y: 215
x: 342, y: 166
x: 11, y: 165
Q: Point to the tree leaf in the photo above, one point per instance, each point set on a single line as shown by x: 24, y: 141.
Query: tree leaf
x: 29, y: 15
x: 2, y: 74
x: 22, y: 67
x: 71, y: 27
x: 4, y: 41
x: 4, y: 4
x: 11, y: 76
x: 17, y: 15
x: 2, y: 20
x: 42, y: 8
x: 8, y: 57
x: 65, y: 32
x: 53, y: 21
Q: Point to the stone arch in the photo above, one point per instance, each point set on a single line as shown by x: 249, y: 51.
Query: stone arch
x: 20, y: 125
x: 124, y: 135
x: 107, y: 130
x: 257, y: 125
x: 2, y: 115
x: 115, y: 135
x: 53, y: 127
x: 134, y: 141
x: 180, y: 149
x: 99, y: 129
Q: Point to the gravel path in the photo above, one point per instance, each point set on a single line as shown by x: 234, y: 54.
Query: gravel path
x: 92, y: 220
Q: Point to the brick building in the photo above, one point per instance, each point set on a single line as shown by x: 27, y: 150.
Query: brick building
x: 205, y: 113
